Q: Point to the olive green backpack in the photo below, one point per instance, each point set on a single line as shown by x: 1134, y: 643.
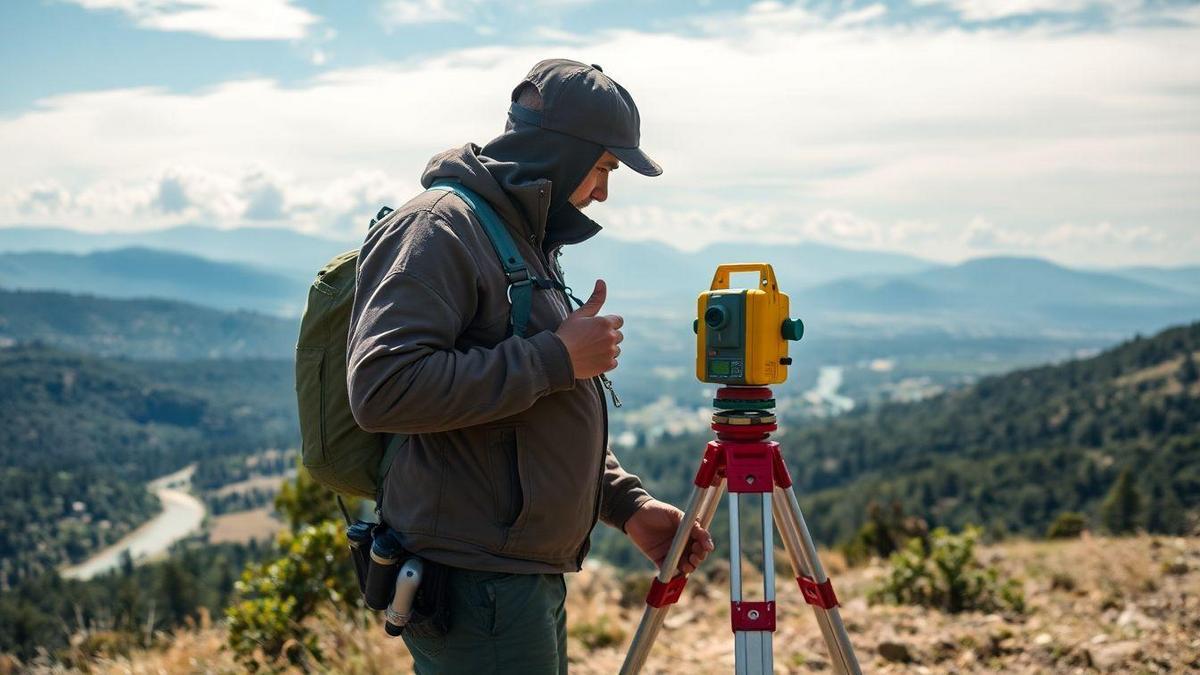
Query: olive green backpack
x: 336, y: 451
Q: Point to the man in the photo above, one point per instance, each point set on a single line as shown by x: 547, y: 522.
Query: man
x: 504, y: 468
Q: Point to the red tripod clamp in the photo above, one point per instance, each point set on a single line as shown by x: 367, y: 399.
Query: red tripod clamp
x: 819, y: 595
x: 666, y: 594
x: 752, y: 616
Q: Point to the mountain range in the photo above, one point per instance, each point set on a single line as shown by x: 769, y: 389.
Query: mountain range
x: 845, y: 291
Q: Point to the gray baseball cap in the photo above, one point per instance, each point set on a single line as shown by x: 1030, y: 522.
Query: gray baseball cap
x: 581, y: 101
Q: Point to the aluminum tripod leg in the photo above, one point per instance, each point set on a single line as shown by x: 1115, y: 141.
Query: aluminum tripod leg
x: 753, y: 652
x: 813, y: 581
x: 701, y: 506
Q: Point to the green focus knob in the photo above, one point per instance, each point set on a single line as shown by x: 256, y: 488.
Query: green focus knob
x: 793, y: 329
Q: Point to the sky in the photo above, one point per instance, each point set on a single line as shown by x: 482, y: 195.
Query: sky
x: 948, y: 129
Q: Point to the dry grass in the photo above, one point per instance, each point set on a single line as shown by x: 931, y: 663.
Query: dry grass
x: 243, y: 526
x: 1095, y: 604
x: 261, y: 483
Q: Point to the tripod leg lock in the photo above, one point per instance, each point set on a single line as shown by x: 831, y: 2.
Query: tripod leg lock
x: 752, y: 616
x: 820, y: 595
x: 663, y: 594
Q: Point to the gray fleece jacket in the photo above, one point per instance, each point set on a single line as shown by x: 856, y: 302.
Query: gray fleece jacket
x: 505, y: 463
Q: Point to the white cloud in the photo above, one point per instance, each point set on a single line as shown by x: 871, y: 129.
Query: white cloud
x: 413, y: 12
x: 993, y: 10
x: 780, y: 126
x: 222, y: 19
x: 403, y: 13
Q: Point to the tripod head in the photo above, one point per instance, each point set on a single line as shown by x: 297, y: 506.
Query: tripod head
x: 742, y: 334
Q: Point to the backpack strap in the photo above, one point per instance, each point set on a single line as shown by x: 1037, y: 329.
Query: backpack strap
x: 520, y: 281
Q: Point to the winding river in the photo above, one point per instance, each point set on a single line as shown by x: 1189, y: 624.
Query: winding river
x: 182, y: 515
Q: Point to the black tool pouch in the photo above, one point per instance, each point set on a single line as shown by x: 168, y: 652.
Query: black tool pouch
x: 361, y: 534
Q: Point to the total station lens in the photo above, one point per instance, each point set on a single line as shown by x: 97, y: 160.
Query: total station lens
x: 714, y: 317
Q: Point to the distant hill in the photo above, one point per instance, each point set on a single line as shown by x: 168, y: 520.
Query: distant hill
x: 665, y: 276
x: 143, y: 272
x: 79, y: 435
x: 281, y: 250
x: 1186, y: 279
x: 1007, y: 295
x: 143, y: 329
x: 1009, y: 453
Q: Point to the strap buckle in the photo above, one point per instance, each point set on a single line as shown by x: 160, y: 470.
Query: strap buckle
x: 512, y: 284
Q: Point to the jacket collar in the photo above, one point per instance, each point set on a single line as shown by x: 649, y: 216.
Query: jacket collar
x: 524, y: 206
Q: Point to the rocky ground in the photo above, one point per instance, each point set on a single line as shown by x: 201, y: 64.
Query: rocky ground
x: 1094, y: 604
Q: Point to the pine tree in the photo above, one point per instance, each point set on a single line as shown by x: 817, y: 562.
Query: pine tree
x: 1187, y: 370
x: 1121, y: 507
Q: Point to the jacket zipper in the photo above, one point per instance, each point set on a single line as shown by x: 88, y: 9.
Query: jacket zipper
x: 555, y: 269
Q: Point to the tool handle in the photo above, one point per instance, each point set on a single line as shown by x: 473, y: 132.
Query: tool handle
x: 766, y: 275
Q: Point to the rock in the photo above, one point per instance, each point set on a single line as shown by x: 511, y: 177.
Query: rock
x: 679, y: 619
x: 895, y: 651
x: 1043, y: 639
x: 1080, y: 656
x: 1176, y: 567
x: 1110, y: 656
x: 1131, y: 616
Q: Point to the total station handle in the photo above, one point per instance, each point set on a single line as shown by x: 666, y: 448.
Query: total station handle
x: 766, y: 275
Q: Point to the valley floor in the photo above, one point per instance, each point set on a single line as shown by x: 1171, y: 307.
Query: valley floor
x: 1094, y: 604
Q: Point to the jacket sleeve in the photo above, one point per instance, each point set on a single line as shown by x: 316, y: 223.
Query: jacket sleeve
x: 416, y: 292
x: 622, y: 493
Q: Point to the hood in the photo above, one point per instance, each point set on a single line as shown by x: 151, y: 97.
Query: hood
x: 522, y: 174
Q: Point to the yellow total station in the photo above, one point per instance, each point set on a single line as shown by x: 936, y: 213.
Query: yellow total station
x: 742, y: 334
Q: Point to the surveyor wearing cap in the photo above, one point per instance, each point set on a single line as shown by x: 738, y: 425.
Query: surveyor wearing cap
x: 505, y: 466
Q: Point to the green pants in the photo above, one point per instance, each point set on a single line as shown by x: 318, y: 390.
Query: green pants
x: 500, y: 623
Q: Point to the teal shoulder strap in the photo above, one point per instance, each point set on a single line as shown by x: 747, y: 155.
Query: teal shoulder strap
x: 520, y: 285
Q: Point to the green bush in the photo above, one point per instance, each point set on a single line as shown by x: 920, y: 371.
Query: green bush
x: 598, y: 634
x: 275, y: 597
x: 884, y: 532
x: 1068, y: 525
x: 1122, y: 507
x: 945, y: 575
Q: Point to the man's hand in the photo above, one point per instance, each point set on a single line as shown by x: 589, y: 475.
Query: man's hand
x: 652, y: 528
x: 592, y: 340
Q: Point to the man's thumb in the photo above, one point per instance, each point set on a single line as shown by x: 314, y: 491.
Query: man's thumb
x: 596, y: 301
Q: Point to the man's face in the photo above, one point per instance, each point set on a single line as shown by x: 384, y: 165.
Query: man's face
x: 595, y: 185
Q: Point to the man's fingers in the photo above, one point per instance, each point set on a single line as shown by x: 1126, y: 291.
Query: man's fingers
x: 701, y: 536
x: 596, y: 301
x: 616, y: 320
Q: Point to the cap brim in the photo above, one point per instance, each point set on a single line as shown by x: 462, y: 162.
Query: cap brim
x: 637, y: 160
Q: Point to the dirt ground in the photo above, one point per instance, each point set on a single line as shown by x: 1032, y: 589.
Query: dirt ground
x: 1094, y: 605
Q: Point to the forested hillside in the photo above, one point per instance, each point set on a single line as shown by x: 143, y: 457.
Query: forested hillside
x: 142, y: 328
x: 79, y: 436
x: 1010, y: 453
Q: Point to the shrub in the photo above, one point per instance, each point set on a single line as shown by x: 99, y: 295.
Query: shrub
x: 598, y: 634
x: 275, y: 597
x: 945, y: 575
x: 885, y: 532
x: 1068, y: 525
x: 1122, y: 506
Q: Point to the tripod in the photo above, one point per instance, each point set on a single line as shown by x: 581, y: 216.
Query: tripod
x: 745, y: 462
